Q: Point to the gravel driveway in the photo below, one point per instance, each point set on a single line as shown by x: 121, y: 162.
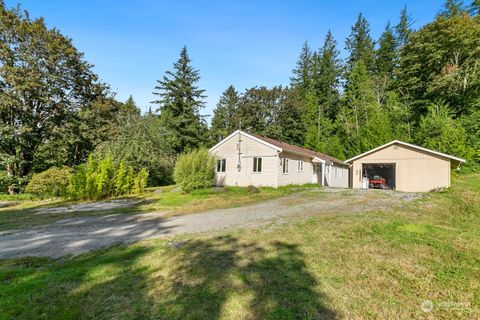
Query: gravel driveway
x: 83, y: 234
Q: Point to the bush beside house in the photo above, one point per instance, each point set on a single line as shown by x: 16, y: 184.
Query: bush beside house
x: 195, y: 170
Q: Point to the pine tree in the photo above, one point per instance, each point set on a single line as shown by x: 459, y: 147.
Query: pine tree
x: 453, y: 8
x: 180, y: 102
x: 129, y: 112
x: 385, y: 63
x: 404, y: 28
x: 225, y: 119
x: 386, y: 55
x: 359, y: 96
x: 290, y: 117
x: 360, y: 44
x: 322, y: 103
x: 302, y: 72
x: 326, y: 78
x: 474, y: 8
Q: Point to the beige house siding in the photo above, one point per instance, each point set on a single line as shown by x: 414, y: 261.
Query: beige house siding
x: 336, y: 176
x: 416, y: 170
x: 294, y: 176
x: 272, y: 171
x: 249, y: 148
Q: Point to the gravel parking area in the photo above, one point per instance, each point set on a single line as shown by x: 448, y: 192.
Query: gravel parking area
x: 82, y: 234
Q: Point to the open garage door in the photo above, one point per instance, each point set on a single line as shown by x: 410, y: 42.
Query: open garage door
x: 380, y: 175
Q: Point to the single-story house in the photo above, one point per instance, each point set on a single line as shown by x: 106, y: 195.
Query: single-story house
x: 245, y: 159
x: 406, y: 167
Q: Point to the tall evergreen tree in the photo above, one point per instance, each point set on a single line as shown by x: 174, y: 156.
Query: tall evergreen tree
x: 326, y: 79
x: 180, y: 102
x: 290, y: 116
x: 323, y: 102
x: 359, y: 95
x: 302, y: 73
x: 385, y: 63
x: 475, y: 8
x: 129, y: 111
x: 453, y: 8
x: 225, y: 119
x: 404, y: 28
x: 386, y: 55
x: 360, y: 44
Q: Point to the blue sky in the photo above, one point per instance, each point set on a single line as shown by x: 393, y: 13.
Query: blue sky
x: 244, y: 43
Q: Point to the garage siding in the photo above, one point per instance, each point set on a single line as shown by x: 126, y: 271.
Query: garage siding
x: 416, y: 170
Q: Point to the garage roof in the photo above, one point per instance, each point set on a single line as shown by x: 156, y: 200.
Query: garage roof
x: 408, y: 145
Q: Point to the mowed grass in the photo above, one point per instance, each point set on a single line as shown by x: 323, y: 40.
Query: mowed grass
x: 376, y: 265
x: 22, y: 210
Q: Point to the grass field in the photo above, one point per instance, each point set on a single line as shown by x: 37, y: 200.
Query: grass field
x: 376, y: 265
x: 20, y: 213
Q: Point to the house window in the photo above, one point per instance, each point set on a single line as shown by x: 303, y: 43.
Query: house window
x: 257, y: 164
x: 300, y: 165
x: 221, y: 165
x: 284, y: 163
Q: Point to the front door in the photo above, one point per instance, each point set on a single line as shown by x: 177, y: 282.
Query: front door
x: 317, y: 173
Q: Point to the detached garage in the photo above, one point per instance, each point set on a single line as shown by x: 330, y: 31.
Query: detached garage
x: 402, y: 166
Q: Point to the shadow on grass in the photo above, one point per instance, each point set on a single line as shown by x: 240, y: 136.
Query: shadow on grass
x: 12, y: 218
x: 214, y: 278
x: 224, y: 278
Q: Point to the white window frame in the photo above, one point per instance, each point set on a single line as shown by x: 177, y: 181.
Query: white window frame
x: 300, y: 165
x: 284, y: 163
x: 257, y: 164
x: 221, y: 165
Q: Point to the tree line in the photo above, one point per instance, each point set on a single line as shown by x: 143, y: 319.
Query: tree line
x: 420, y: 86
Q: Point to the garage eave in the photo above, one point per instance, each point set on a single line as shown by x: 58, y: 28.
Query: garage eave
x: 459, y: 160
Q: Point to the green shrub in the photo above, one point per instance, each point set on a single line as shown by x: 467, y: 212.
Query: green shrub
x: 100, y: 178
x: 52, y: 182
x: 140, y: 181
x: 195, y: 170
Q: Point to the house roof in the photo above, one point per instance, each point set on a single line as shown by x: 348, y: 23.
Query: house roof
x: 408, y: 145
x: 299, y: 150
x: 283, y: 146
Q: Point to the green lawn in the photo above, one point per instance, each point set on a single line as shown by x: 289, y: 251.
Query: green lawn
x: 21, y: 211
x: 376, y: 265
